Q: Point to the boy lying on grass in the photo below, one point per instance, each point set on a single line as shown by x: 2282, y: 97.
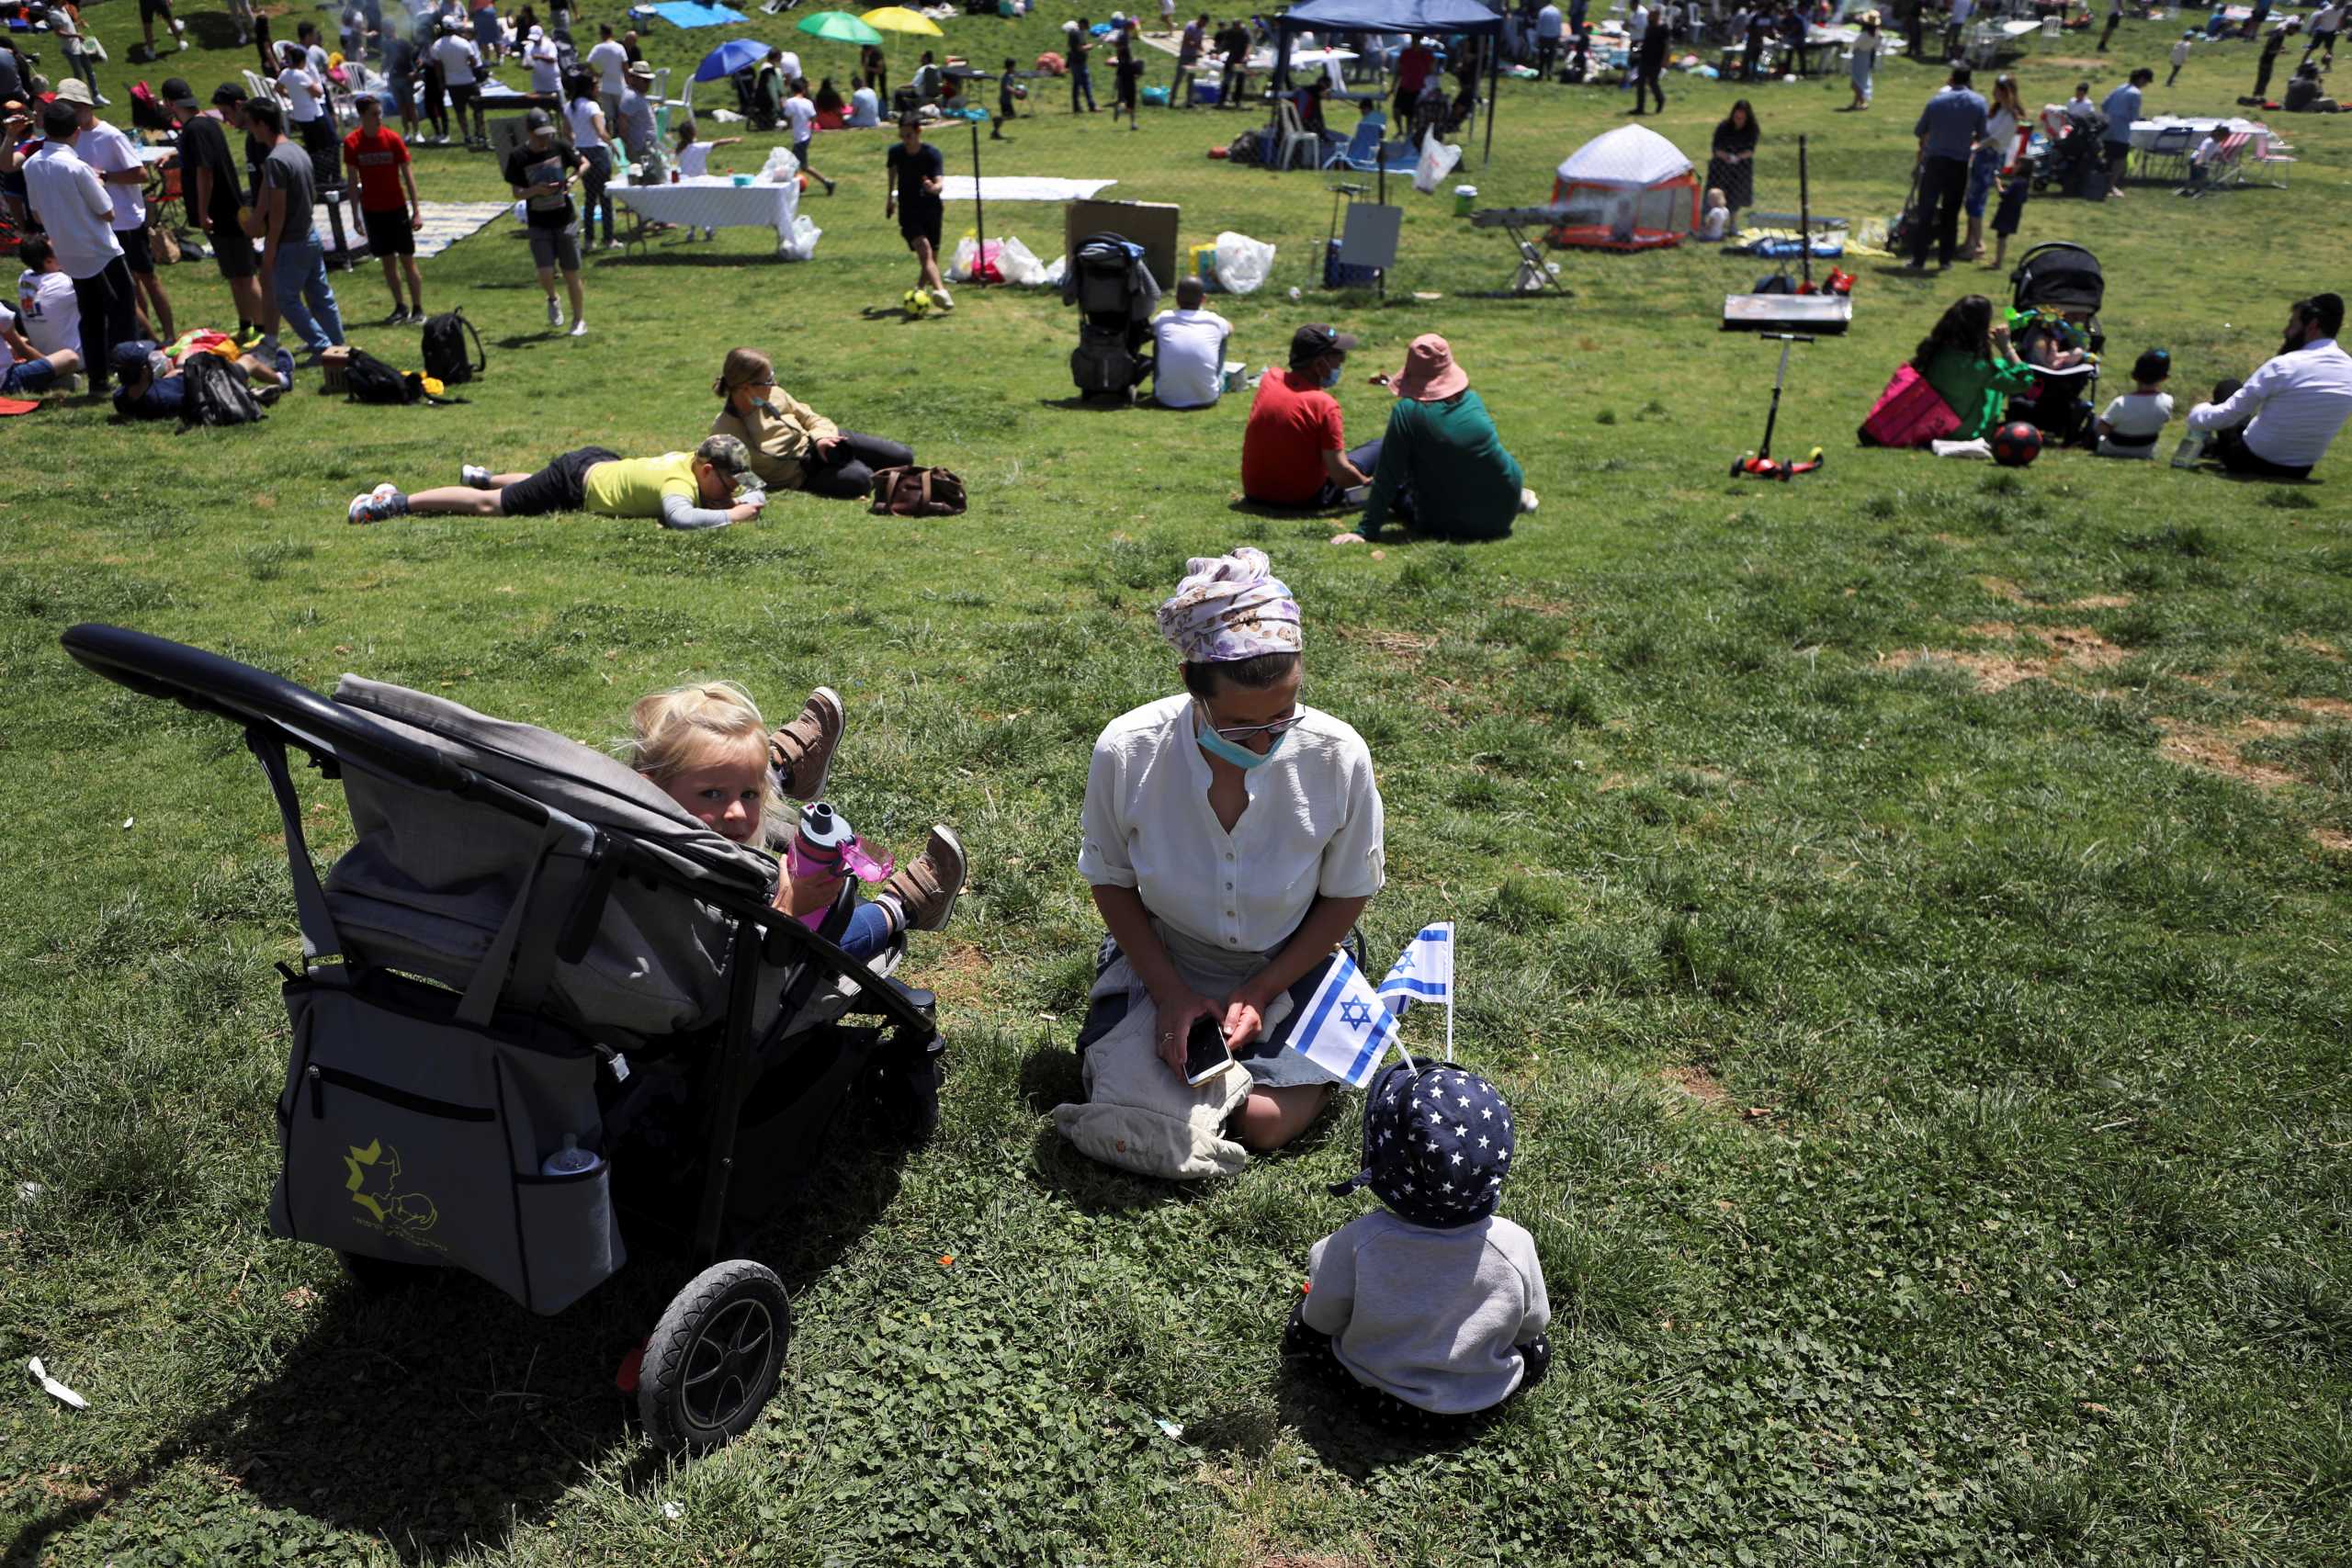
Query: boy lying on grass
x: 592, y: 480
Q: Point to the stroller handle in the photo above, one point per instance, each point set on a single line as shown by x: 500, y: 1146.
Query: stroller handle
x: 207, y: 682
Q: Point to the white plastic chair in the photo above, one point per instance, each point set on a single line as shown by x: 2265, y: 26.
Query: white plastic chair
x: 1297, y: 138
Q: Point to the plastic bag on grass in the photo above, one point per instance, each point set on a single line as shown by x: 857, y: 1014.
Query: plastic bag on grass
x: 1019, y: 265
x: 781, y: 166
x: 971, y: 254
x: 1438, y: 159
x: 802, y: 246
x: 1243, y: 265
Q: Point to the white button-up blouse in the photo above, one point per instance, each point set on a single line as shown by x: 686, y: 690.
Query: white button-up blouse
x: 1313, y: 825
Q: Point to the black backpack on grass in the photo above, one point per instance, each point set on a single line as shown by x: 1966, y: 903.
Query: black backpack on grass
x: 444, y: 349
x: 368, y: 380
x: 215, y: 394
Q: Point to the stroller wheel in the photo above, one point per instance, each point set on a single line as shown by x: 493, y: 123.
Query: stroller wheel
x: 383, y: 1276
x: 715, y: 1358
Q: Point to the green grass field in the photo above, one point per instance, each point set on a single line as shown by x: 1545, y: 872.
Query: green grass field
x: 1906, y: 909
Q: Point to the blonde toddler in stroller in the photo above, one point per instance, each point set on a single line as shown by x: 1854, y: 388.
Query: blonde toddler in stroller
x: 709, y: 751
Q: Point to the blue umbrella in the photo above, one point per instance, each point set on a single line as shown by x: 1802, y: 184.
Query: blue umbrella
x: 729, y: 57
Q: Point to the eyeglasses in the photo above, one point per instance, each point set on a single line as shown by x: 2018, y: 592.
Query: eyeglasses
x: 1241, y: 733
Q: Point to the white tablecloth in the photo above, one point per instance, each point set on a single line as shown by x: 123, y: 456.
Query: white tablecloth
x: 1019, y: 188
x: 716, y: 203
x: 2145, y: 132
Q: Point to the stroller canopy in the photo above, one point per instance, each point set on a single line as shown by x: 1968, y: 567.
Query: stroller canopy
x: 2062, y: 275
x: 1629, y: 189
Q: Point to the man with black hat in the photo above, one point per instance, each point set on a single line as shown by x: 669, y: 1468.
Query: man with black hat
x: 65, y: 194
x: 216, y: 195
x: 379, y: 161
x: 1293, y: 450
x: 541, y: 172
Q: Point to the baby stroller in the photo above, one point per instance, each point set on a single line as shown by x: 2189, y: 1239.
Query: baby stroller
x: 2059, y: 287
x: 559, y: 997
x: 2072, y: 156
x: 1115, y: 294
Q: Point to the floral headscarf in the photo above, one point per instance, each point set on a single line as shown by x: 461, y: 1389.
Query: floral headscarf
x: 1229, y: 607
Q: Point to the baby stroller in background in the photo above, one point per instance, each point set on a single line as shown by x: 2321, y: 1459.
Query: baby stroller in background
x: 559, y: 997
x: 1115, y: 294
x: 2060, y: 288
x: 2070, y: 155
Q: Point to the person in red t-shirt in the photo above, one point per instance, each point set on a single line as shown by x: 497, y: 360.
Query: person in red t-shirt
x: 1293, y: 450
x: 378, y: 163
x: 1415, y: 64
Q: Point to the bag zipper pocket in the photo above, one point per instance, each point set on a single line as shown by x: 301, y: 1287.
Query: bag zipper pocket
x: 423, y: 1105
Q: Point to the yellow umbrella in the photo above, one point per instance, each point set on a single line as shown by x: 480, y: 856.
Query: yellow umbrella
x: 898, y: 20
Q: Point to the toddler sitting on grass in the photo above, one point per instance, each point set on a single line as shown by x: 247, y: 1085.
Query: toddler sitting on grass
x: 2133, y: 422
x: 1717, y: 222
x: 708, y: 748
x: 1430, y: 1313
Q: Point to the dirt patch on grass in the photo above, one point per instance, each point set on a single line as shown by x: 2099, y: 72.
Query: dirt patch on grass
x: 2077, y: 62
x: 1955, y: 541
x: 1396, y: 644
x: 1699, y: 1083
x: 1998, y: 631
x: 1992, y: 672
x: 2310, y: 644
x: 960, y: 974
x: 2210, y: 750
x: 2326, y: 707
x: 2333, y: 841
x: 2001, y: 588
x: 2080, y: 646
x: 2101, y: 602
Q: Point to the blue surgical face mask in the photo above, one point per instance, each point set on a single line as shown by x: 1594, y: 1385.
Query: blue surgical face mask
x: 1241, y: 757
x: 1331, y: 377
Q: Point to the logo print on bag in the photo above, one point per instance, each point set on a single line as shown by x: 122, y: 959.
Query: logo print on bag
x: 372, y: 1177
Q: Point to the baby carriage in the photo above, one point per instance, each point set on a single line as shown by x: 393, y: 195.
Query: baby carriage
x: 2071, y: 155
x: 1114, y: 293
x: 2055, y: 295
x: 558, y: 999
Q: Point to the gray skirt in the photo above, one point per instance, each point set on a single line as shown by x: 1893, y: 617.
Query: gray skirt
x: 1212, y: 972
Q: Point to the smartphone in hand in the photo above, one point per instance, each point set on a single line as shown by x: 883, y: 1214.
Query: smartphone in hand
x: 1206, y: 1051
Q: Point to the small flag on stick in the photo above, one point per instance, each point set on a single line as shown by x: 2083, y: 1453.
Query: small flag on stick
x: 1343, y: 1028
x: 1424, y: 973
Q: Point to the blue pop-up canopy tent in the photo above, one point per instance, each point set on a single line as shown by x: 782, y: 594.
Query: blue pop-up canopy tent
x: 1438, y: 18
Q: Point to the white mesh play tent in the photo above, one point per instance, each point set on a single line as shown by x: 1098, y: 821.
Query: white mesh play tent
x: 1629, y: 189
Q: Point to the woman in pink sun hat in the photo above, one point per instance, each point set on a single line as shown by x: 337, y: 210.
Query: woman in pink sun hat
x: 1442, y: 470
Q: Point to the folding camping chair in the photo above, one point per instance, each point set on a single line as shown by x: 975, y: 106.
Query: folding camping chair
x: 2270, y: 153
x: 2229, y: 162
x: 2167, y: 158
x: 1364, y: 151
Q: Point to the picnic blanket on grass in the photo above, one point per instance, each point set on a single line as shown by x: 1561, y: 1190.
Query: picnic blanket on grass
x: 446, y: 223
x: 697, y: 14
x: 1019, y: 188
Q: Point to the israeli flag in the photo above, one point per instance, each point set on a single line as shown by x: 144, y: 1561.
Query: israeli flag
x: 1424, y: 973
x: 1343, y: 1028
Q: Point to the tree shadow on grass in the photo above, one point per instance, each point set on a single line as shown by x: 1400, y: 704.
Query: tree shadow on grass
x: 440, y: 1415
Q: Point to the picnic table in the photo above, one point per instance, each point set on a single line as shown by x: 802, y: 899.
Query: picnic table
x: 2145, y: 133
x: 716, y: 201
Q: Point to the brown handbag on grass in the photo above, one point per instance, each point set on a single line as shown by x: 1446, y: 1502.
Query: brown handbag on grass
x: 917, y: 492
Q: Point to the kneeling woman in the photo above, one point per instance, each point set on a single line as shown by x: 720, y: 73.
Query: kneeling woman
x: 793, y: 447
x: 1232, y: 836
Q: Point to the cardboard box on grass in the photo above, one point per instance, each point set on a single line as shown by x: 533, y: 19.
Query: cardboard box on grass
x: 1151, y: 224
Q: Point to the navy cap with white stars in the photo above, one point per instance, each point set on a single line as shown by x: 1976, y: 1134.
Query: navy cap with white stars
x: 1437, y: 1145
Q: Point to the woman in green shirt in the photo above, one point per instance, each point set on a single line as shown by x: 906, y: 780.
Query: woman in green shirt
x: 1969, y: 361
x: 1442, y: 470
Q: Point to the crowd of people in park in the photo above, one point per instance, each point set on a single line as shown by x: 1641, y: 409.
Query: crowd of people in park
x: 1439, y: 466
x: 1231, y: 836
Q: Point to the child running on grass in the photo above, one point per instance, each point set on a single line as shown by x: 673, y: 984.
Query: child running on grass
x: 1430, y: 1313
x: 708, y: 748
